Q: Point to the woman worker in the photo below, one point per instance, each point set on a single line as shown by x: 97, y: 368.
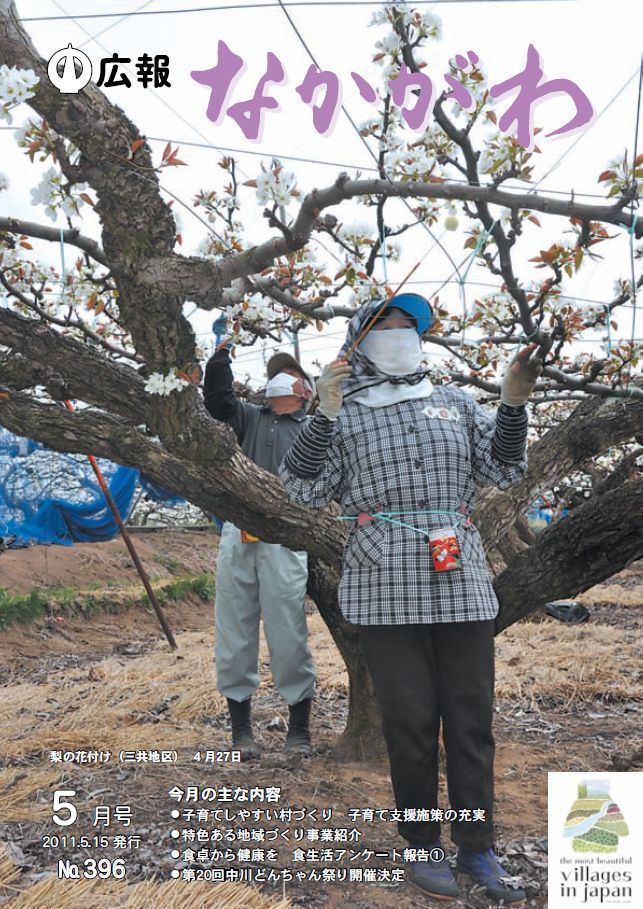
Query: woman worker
x: 403, y: 458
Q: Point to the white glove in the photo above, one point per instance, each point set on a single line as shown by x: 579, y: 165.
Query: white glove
x: 520, y: 379
x: 329, y: 388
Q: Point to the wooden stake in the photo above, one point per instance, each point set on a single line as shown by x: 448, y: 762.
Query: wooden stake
x: 130, y: 546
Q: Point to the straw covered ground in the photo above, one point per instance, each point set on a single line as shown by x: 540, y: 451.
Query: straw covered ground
x: 52, y: 893
x: 567, y: 698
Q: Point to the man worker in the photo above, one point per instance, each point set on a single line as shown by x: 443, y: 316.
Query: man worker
x: 256, y: 579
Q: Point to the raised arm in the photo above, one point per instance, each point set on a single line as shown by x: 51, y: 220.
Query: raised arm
x: 218, y: 392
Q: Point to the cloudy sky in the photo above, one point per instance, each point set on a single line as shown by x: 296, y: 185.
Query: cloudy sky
x: 593, y: 43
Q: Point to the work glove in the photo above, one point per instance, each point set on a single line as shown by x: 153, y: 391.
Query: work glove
x: 329, y: 388
x: 520, y: 379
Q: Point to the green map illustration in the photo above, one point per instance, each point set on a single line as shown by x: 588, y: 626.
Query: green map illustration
x: 595, y: 821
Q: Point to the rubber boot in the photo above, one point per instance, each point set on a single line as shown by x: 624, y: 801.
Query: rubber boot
x: 434, y: 877
x: 242, y: 737
x: 486, y: 870
x: 298, y: 738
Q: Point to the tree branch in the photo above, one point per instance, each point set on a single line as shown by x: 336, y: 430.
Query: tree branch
x: 217, y: 476
x: 67, y: 322
x: 594, y: 542
x: 203, y: 281
x: 588, y: 432
x: 70, y: 236
x: 73, y: 369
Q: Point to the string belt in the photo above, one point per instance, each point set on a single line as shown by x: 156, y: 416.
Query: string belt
x: 392, y: 517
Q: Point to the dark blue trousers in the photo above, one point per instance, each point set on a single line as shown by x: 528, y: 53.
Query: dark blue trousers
x: 424, y: 675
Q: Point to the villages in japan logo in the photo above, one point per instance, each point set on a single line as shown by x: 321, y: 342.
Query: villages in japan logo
x: 70, y: 70
x: 595, y: 821
x: 598, y: 869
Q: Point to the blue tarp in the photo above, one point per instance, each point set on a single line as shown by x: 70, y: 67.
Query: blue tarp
x: 540, y: 517
x: 48, y: 497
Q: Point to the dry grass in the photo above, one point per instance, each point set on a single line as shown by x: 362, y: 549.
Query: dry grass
x: 9, y: 876
x: 20, y: 793
x: 52, y: 893
x: 162, y: 696
x: 544, y: 660
x: 567, y: 663
x: 612, y: 595
x: 118, y: 704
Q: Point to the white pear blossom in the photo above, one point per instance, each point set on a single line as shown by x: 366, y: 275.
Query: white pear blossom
x: 281, y: 194
x: 486, y: 161
x: 383, y: 16
x: 264, y: 183
x: 411, y: 162
x: 16, y: 86
x: 494, y: 158
x: 4, y: 182
x: 592, y: 313
x: 20, y: 135
x: 372, y: 125
x: 389, y: 44
x: 275, y: 187
x: 390, y: 70
x: 253, y: 310
x: 393, y: 251
x: 419, y: 164
x: 379, y: 17
x: 178, y: 220
x: 358, y: 231
x: 362, y: 293
x: 44, y: 191
x: 242, y: 337
x: 432, y: 25
x: 50, y: 193
x: 395, y: 158
x: 429, y: 26
x: 308, y: 256
x: 158, y: 384
x: 8, y: 257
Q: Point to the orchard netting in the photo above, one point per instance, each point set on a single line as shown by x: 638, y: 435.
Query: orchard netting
x: 50, y: 497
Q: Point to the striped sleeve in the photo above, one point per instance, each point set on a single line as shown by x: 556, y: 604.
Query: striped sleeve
x: 510, y: 437
x: 309, y: 451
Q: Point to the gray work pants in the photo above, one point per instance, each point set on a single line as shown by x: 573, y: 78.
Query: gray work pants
x: 269, y: 581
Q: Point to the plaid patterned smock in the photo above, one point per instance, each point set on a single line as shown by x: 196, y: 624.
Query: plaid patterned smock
x: 421, y: 455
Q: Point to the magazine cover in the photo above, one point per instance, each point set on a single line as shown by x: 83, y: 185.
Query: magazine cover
x: 321, y: 413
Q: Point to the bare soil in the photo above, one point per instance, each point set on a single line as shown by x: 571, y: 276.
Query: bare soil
x: 567, y: 700
x: 164, y: 553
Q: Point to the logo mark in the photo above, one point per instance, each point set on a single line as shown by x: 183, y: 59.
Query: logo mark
x: 69, y: 81
x: 595, y: 822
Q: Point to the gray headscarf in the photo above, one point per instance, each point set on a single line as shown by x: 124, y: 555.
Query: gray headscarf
x: 365, y: 372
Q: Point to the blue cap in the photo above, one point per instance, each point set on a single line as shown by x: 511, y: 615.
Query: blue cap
x: 416, y: 307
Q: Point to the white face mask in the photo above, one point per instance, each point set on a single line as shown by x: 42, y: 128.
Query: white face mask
x: 396, y: 352
x: 285, y: 384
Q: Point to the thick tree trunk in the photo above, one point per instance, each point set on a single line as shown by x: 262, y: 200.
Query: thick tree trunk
x: 362, y: 735
x: 594, y: 542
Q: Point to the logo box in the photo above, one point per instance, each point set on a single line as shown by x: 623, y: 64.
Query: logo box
x: 595, y: 840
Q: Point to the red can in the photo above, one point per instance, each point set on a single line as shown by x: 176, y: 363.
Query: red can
x: 445, y: 549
